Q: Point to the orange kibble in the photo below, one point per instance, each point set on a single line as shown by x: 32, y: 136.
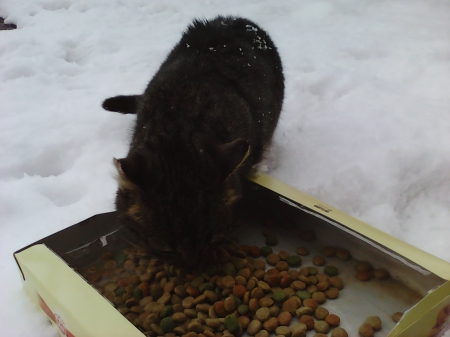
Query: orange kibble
x: 308, y: 320
x: 239, y: 290
x: 309, y: 302
x: 364, y: 275
x: 192, y: 291
x: 273, y: 281
x: 145, y: 289
x: 333, y: 320
x: 286, y: 280
x: 219, y: 308
x: 284, y: 318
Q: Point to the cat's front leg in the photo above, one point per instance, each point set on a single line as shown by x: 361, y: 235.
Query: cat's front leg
x: 123, y: 104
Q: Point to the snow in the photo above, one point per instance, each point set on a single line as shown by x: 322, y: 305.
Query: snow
x: 365, y: 125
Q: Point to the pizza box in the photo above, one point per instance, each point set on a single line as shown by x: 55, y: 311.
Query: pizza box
x: 418, y: 286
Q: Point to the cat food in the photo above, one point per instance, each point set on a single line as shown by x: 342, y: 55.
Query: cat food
x: 396, y: 316
x: 233, y: 295
x: 374, y: 321
x: 339, y: 332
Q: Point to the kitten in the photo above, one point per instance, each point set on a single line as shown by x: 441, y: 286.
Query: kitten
x: 202, y: 122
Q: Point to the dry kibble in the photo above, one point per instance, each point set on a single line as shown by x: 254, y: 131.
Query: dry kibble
x: 282, y: 266
x: 303, y: 251
x: 309, y: 302
x: 319, y: 296
x: 271, y: 324
x: 381, y: 274
x: 307, y: 320
x: 283, y: 255
x: 262, y: 314
x: 364, y: 275
x: 272, y: 259
x: 321, y: 327
x: 283, y: 331
x: 254, y: 327
x: 262, y: 333
x: 336, y: 282
x: 318, y: 260
x: 320, y: 313
x: 284, y: 318
x: 339, y: 332
x: 396, y: 316
x: 374, y: 321
x: 366, y: 330
x: 332, y: 293
x: 333, y: 320
x: 363, y: 266
x: 343, y: 254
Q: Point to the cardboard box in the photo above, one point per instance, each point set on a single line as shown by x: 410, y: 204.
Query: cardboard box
x: 419, y: 285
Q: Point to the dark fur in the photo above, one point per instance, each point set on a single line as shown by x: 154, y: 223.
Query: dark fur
x: 202, y: 123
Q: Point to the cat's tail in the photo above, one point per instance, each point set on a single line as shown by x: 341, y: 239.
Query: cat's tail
x: 122, y: 104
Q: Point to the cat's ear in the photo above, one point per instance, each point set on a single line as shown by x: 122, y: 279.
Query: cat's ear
x: 233, y: 154
x: 129, y: 170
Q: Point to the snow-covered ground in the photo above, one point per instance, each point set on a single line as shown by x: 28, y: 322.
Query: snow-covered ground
x: 365, y: 125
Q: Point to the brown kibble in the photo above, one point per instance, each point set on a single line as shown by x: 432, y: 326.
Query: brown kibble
x: 343, y: 254
x: 273, y: 281
x: 253, y: 305
x: 262, y: 314
x: 290, y: 305
x: 303, y: 251
x: 299, y: 330
x: 283, y: 331
x: 336, y: 281
x: 243, y: 321
x: 259, y: 264
x: 319, y: 296
x: 257, y: 293
x: 228, y: 281
x: 364, y: 275
x: 298, y: 285
x: 381, y: 274
x: 332, y: 293
x: 396, y: 316
x: 192, y: 291
x: 284, y: 318
x: 264, y: 286
x: 318, y: 260
x: 321, y: 327
x: 339, y: 332
x: 282, y: 266
x: 179, y: 317
x: 283, y: 255
x: 307, y: 320
x: 322, y: 286
x: 321, y: 313
x: 363, y: 266
x: 366, y: 330
x: 265, y: 302
x: 271, y: 324
x: 304, y: 311
x: 374, y: 321
x: 262, y: 333
x: 229, y: 304
x: 272, y: 259
x: 333, y: 320
x: 245, y: 273
x: 254, y: 327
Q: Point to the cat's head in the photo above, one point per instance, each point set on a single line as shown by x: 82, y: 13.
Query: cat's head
x: 180, y: 202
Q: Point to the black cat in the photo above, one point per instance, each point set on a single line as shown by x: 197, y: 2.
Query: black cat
x: 202, y: 123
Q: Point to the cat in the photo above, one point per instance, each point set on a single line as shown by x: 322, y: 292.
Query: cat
x: 202, y: 122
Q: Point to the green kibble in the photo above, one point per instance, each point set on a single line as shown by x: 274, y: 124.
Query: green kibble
x: 271, y: 240
x: 231, y: 323
x: 137, y: 294
x: 120, y: 291
x: 266, y: 250
x: 294, y: 261
x: 120, y: 258
x: 237, y: 300
x: 167, y: 324
x: 205, y: 286
x: 279, y: 296
x: 303, y: 294
x: 331, y: 270
x: 167, y: 311
x: 231, y: 271
x: 243, y: 309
